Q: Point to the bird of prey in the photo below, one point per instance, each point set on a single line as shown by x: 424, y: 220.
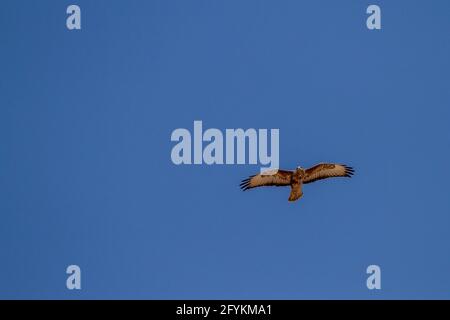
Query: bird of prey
x: 296, y: 178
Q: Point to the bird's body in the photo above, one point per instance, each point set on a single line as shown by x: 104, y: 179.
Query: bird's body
x: 296, y: 178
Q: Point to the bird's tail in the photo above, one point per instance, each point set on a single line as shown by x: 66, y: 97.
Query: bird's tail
x: 296, y: 192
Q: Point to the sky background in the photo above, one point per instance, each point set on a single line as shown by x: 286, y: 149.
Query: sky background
x: 86, y: 176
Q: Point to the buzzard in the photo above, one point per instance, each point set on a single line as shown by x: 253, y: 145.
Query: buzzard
x: 297, y: 177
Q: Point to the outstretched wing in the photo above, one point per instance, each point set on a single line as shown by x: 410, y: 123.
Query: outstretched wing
x: 280, y: 178
x: 327, y: 170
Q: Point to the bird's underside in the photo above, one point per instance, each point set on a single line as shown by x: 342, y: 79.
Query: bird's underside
x: 296, y: 178
x: 296, y: 192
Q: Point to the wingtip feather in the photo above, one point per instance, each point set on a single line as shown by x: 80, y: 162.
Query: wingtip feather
x: 245, y: 184
x: 349, y: 171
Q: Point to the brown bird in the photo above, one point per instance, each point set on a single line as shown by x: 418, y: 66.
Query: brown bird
x: 297, y: 177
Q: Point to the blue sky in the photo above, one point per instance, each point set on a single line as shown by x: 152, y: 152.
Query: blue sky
x: 86, y: 176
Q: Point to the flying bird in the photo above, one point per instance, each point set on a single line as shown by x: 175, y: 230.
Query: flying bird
x: 296, y: 178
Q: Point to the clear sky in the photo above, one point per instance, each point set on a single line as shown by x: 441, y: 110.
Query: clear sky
x: 86, y: 176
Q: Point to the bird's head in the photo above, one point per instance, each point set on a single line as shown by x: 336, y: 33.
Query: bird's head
x: 299, y: 170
